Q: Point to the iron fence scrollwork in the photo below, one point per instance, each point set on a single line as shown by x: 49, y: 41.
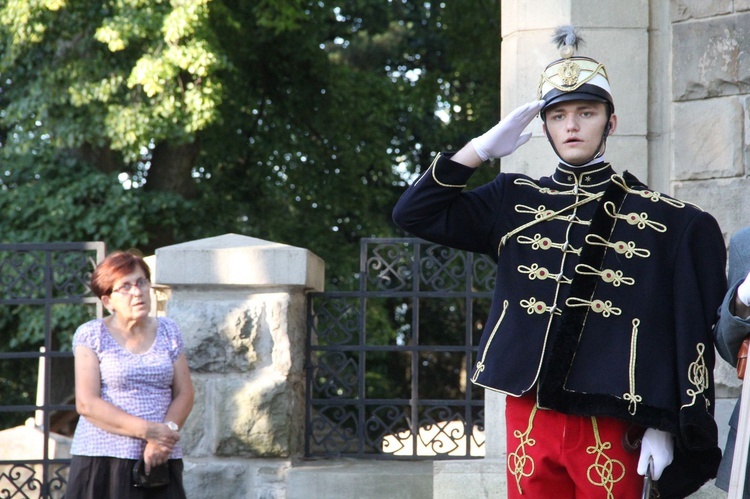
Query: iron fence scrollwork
x: 387, y: 364
x: 42, y: 286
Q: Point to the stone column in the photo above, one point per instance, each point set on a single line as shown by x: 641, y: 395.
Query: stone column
x: 240, y: 303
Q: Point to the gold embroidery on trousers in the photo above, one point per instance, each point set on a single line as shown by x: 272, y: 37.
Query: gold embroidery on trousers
x: 606, y: 471
x: 601, y: 307
x: 640, y: 220
x: 613, y: 277
x: 698, y: 375
x: 626, y: 248
x: 520, y: 464
x: 632, y: 397
x: 480, y: 362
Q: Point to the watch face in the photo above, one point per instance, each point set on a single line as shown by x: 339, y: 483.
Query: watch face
x: 172, y: 425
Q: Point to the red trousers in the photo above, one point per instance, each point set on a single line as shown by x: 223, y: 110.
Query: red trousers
x: 551, y: 454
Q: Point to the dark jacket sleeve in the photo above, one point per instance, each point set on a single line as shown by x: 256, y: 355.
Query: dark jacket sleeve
x: 436, y: 207
x: 731, y: 330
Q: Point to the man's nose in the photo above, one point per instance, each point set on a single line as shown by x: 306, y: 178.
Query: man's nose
x: 571, y: 123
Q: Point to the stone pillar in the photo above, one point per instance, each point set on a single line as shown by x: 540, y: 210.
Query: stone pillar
x: 240, y: 303
x: 711, y: 93
x: 616, y: 34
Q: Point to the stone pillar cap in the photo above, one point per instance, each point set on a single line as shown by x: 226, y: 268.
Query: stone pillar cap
x: 237, y: 260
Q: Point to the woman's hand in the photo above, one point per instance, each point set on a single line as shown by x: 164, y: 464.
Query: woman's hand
x: 153, y: 455
x: 159, y: 435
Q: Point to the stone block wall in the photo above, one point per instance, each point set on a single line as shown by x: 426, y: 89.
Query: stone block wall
x: 710, y: 88
x: 240, y: 303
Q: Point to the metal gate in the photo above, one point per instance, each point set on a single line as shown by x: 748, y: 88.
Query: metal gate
x: 44, y: 294
x: 388, y: 365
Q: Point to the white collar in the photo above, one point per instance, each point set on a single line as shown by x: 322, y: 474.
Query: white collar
x: 600, y: 159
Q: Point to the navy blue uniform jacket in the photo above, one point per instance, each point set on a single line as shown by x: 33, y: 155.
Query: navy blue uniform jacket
x: 605, y: 297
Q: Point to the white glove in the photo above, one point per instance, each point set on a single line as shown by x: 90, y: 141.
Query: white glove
x: 505, y: 137
x: 743, y: 291
x: 659, y: 445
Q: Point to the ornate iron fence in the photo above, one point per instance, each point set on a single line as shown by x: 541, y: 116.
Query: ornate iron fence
x: 42, y: 287
x: 387, y: 365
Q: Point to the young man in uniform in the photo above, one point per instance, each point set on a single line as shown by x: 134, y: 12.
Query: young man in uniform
x: 600, y: 330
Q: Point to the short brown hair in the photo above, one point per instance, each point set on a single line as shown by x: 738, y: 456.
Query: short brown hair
x: 114, y: 266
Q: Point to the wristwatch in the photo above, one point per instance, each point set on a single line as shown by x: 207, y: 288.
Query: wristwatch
x: 172, y: 425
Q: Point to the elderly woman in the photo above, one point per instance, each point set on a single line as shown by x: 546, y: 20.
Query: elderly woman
x: 133, y: 392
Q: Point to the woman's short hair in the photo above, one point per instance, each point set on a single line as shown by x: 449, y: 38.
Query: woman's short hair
x: 114, y: 266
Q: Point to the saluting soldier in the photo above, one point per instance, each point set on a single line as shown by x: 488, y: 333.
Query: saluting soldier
x: 600, y: 330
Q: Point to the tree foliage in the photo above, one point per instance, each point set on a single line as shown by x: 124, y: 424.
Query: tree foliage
x: 287, y: 120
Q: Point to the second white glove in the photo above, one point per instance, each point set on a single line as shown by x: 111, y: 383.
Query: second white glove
x: 505, y: 137
x: 743, y: 291
x: 658, y: 445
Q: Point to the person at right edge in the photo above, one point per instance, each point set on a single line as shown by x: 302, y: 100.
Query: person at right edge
x: 601, y: 325
x: 733, y: 326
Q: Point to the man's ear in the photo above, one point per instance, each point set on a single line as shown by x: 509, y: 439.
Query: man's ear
x: 612, y: 124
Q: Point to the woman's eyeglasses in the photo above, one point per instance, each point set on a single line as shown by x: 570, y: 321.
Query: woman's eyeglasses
x: 126, y: 288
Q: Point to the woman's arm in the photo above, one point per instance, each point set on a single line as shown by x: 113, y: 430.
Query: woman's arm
x: 183, y: 393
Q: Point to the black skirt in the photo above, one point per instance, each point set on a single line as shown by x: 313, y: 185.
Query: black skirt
x: 112, y: 478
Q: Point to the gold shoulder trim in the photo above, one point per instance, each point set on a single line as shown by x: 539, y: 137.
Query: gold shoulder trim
x: 647, y: 193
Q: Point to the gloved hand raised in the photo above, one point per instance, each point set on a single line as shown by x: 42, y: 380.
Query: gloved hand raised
x: 505, y: 137
x: 659, y: 445
x: 743, y: 291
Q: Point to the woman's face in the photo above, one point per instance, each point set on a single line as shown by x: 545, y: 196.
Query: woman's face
x: 130, y: 298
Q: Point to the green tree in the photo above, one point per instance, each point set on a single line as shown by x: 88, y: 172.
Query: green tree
x: 287, y: 120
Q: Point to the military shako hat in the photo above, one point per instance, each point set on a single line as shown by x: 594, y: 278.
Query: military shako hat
x: 573, y: 77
